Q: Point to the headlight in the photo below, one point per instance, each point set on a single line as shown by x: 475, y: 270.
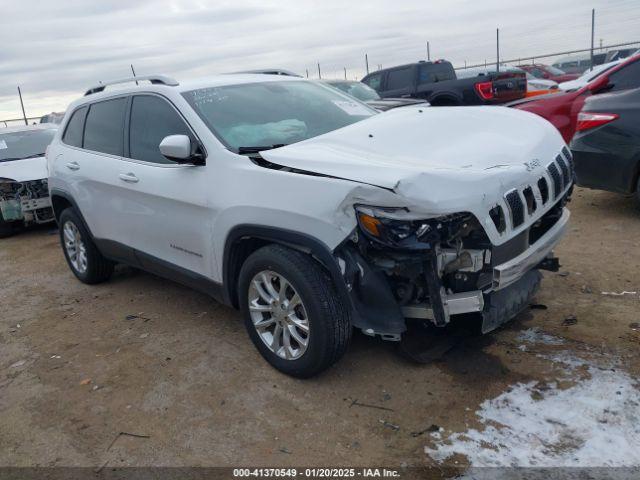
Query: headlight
x: 386, y: 226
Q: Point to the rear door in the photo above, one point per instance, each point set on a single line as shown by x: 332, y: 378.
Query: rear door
x: 400, y: 82
x: 96, y: 135
x: 166, y: 202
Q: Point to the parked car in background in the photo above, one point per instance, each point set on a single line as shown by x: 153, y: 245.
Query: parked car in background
x: 548, y: 72
x: 312, y: 213
x: 272, y: 71
x: 562, y: 109
x: 588, y: 76
x: 368, y: 95
x: 535, y: 86
x: 606, y: 146
x: 437, y: 83
x: 24, y: 194
x: 53, y: 117
x: 579, y: 63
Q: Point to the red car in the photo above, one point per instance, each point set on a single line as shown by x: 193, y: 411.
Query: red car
x: 548, y: 72
x: 562, y: 109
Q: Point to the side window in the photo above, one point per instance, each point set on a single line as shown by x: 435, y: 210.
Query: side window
x: 104, y: 127
x: 374, y: 81
x: 400, y: 78
x: 152, y: 119
x: 627, y: 77
x: 73, y: 134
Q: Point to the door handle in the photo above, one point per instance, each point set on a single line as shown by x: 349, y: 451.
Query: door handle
x: 128, y: 177
x: 73, y: 166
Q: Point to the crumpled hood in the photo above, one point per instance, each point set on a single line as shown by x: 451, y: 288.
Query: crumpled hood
x: 24, y: 170
x: 443, y: 158
x: 444, y: 151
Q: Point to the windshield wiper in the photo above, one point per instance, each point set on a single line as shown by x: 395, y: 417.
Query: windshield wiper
x: 21, y: 158
x: 259, y: 149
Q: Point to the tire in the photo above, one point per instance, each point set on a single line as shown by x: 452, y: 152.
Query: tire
x: 84, y: 260
x: 320, y: 309
x: 7, y: 229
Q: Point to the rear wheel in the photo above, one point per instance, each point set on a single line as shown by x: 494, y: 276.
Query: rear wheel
x: 83, y: 257
x: 292, y: 312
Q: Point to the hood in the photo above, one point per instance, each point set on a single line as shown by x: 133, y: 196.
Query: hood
x: 440, y: 160
x: 24, y: 170
x: 385, y: 104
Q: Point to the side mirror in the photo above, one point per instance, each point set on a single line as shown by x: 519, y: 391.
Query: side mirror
x: 178, y: 148
x: 599, y: 84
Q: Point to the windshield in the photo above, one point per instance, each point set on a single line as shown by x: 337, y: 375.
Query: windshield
x: 357, y: 89
x: 26, y: 144
x: 274, y: 113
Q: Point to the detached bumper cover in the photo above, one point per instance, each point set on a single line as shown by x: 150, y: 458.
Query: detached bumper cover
x: 509, y: 272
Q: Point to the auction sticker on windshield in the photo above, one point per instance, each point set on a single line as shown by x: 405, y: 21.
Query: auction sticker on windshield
x: 352, y: 108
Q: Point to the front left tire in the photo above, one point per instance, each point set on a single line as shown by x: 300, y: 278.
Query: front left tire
x: 83, y: 257
x: 292, y: 311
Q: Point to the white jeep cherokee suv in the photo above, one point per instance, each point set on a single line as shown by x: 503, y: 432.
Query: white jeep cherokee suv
x: 308, y: 210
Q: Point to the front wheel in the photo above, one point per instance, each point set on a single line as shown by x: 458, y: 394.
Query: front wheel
x: 7, y: 229
x: 84, y: 258
x: 292, y: 312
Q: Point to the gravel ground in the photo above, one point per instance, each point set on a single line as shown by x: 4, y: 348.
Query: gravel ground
x: 145, y: 356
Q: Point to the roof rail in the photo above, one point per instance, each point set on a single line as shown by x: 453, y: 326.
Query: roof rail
x: 154, y: 79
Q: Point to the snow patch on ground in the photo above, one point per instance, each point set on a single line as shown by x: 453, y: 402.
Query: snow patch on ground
x: 593, y: 423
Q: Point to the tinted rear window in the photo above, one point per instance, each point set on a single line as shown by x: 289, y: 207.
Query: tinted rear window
x: 627, y: 77
x: 73, y: 133
x: 103, y: 131
x: 400, y: 78
x: 436, y: 72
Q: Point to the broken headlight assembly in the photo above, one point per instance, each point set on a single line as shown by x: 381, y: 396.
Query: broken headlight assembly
x: 387, y: 227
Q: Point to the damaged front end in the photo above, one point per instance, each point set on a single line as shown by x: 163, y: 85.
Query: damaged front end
x: 25, y: 202
x: 399, y: 268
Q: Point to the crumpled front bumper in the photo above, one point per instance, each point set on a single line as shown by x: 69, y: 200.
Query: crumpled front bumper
x: 511, y: 271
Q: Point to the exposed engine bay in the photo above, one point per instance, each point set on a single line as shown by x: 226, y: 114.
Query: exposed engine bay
x: 434, y: 269
x: 27, y: 202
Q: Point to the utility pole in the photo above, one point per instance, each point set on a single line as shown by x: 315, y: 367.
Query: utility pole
x: 366, y: 61
x: 134, y: 73
x: 24, y: 115
x: 307, y: 72
x: 345, y: 73
x: 319, y: 74
x: 593, y: 26
x: 497, y: 49
x: 428, y: 53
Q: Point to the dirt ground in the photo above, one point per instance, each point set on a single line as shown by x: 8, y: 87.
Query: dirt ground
x: 142, y: 355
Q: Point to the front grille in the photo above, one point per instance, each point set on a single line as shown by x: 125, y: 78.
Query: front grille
x: 543, y: 186
x: 524, y: 202
x: 516, y: 208
x: 556, y: 178
x: 565, y: 169
x: 532, y: 205
x: 497, y: 216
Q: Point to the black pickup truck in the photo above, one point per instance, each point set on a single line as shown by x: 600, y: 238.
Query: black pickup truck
x: 436, y: 82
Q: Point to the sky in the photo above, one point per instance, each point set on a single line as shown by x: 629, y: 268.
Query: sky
x: 55, y: 50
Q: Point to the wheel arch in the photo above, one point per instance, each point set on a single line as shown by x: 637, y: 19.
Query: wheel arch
x: 61, y: 200
x: 243, y: 240
x: 445, y: 99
